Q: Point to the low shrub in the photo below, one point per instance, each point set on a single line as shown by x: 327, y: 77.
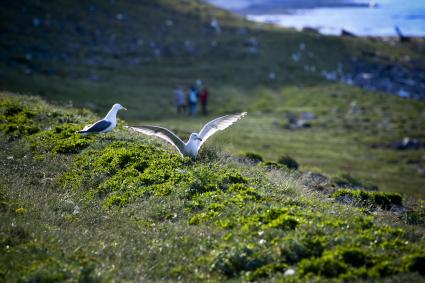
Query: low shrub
x: 374, y: 199
x: 254, y: 157
x: 288, y: 162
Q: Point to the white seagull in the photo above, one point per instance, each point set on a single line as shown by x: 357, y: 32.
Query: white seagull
x: 106, y: 124
x: 196, y: 140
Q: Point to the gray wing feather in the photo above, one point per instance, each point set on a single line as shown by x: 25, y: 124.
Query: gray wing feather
x: 99, y: 126
x: 162, y: 133
x: 218, y: 124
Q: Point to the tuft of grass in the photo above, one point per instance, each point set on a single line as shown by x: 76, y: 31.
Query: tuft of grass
x: 254, y: 157
x: 289, y: 162
x: 374, y: 199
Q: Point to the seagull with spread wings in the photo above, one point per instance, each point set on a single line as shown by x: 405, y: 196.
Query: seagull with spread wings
x: 196, y: 140
x: 106, y: 124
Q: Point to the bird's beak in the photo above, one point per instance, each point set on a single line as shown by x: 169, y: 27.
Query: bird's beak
x: 199, y: 139
x: 124, y: 108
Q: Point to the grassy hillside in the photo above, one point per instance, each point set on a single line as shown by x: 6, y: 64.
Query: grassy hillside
x: 136, y: 52
x: 353, y: 132
x: 123, y: 207
x: 98, y: 53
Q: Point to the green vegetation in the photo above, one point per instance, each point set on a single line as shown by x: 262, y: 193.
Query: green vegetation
x: 376, y: 199
x: 106, y: 53
x: 123, y: 208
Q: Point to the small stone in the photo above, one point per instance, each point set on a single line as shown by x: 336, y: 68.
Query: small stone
x: 403, y: 93
x: 289, y: 272
x: 120, y: 17
x: 296, y: 57
x: 345, y: 199
x: 398, y: 209
x: 36, y: 22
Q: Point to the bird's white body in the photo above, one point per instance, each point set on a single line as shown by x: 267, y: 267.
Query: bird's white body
x: 106, y: 124
x: 112, y: 117
x: 192, y: 146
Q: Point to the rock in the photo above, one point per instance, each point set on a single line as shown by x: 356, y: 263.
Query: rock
x: 36, y: 22
x: 296, y: 57
x: 120, y: 17
x: 345, y: 32
x: 398, y: 209
x: 401, y: 36
x: 307, y: 116
x: 315, y: 181
x: 345, y: 199
x: 76, y: 210
x: 311, y: 30
x: 215, y: 24
x: 420, y: 170
x: 289, y: 272
x: 366, y: 76
x: 353, y: 108
x: 403, y: 93
x: 407, y: 144
x: 330, y: 76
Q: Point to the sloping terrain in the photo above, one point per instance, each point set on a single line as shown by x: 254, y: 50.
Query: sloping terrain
x: 121, y: 207
x: 297, y: 87
x: 138, y: 51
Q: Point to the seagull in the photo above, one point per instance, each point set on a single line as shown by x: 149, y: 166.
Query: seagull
x: 106, y: 124
x: 196, y: 140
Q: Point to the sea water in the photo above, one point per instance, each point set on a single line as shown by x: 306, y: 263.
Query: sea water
x: 378, y: 19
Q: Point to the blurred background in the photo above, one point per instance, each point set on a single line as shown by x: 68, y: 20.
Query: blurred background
x: 361, y: 17
x: 336, y: 85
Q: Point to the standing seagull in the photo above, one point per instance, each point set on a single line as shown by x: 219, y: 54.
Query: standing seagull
x: 106, y: 124
x: 196, y: 140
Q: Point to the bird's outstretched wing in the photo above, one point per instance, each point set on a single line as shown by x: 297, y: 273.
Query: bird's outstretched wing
x: 162, y: 133
x: 218, y: 124
x: 97, y: 127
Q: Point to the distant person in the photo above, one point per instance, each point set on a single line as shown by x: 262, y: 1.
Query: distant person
x: 179, y: 99
x: 204, y: 99
x: 193, y: 101
x: 199, y: 84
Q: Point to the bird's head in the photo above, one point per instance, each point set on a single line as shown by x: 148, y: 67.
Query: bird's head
x: 119, y: 106
x: 195, y: 137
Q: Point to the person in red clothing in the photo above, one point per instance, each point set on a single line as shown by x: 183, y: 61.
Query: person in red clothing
x: 204, y: 99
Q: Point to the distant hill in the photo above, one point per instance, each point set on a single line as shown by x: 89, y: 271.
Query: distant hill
x: 94, y: 53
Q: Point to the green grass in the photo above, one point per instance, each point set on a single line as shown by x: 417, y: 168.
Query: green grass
x: 340, y: 140
x: 124, y: 207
